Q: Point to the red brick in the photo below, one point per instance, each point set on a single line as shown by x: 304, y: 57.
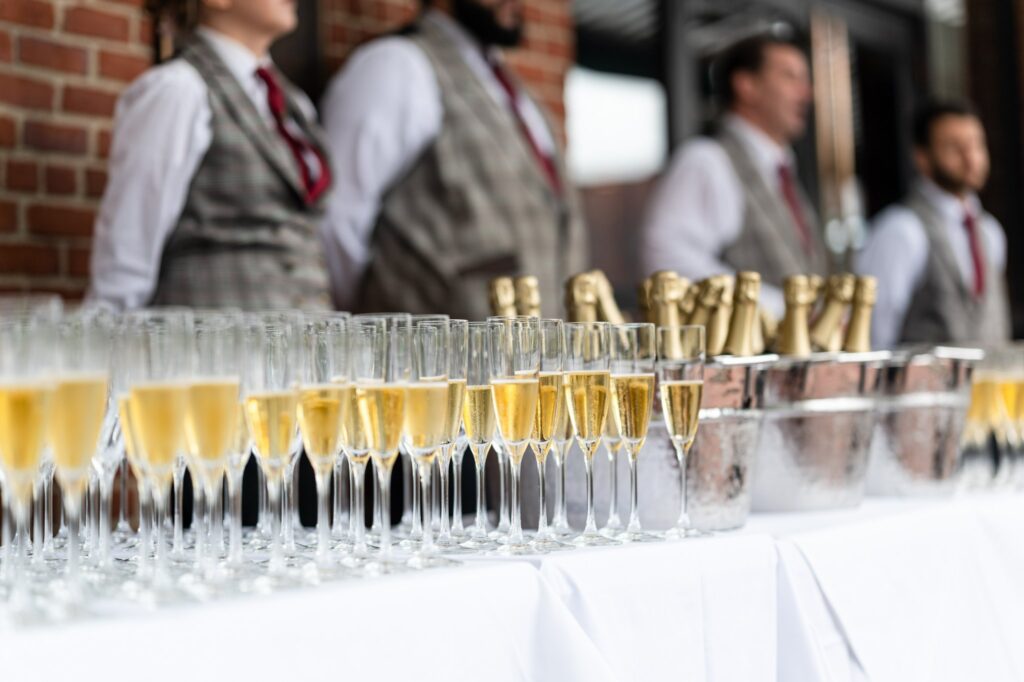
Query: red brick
x: 6, y: 50
x: 8, y: 216
x: 51, y: 137
x: 29, y: 259
x: 25, y: 92
x: 95, y: 182
x: 103, y: 144
x: 61, y: 180
x: 52, y: 55
x: 8, y: 133
x: 66, y: 221
x: 27, y: 12
x: 79, y: 100
x: 22, y: 176
x: 78, y: 262
x: 145, y: 33
x: 94, y: 22
x: 122, y: 67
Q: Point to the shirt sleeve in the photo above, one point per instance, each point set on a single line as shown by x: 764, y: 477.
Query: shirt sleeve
x: 379, y: 114
x: 695, y: 214
x: 161, y: 133
x: 896, y: 254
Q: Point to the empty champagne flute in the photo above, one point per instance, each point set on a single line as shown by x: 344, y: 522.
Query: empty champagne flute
x: 457, y: 339
x: 271, y: 402
x: 588, y: 388
x: 426, y: 414
x: 680, y: 370
x: 324, y: 398
x: 514, y: 370
x: 77, y: 414
x: 212, y: 418
x: 478, y: 420
x: 551, y: 416
x: 633, y: 357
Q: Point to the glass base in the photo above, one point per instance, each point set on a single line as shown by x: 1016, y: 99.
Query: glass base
x: 421, y: 561
x: 594, y: 539
x: 524, y: 549
x: 683, y: 533
x: 550, y: 544
x: 477, y: 544
x: 612, y: 530
x: 639, y: 536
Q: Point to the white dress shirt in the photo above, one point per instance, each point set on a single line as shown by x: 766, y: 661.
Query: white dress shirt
x: 162, y: 130
x: 897, y: 254
x: 380, y: 113
x: 697, y: 210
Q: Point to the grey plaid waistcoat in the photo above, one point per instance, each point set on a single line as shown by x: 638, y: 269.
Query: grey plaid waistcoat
x: 769, y: 241
x: 943, y: 309
x: 245, y: 237
x: 475, y: 205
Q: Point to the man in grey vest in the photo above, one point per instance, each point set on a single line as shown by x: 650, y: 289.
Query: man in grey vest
x: 939, y: 257
x: 449, y: 173
x: 733, y: 201
x: 217, y: 174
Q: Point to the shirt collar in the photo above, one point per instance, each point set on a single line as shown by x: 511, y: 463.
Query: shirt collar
x: 949, y: 205
x: 241, y: 62
x: 766, y: 153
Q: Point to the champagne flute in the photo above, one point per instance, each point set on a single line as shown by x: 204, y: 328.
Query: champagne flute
x: 612, y: 445
x: 551, y: 415
x: 478, y: 420
x: 458, y: 337
x: 380, y: 370
x: 588, y: 387
x: 159, y: 353
x: 680, y: 370
x: 271, y: 402
x: 26, y: 393
x: 212, y: 417
x: 324, y: 397
x: 77, y: 415
x: 633, y: 356
x: 426, y: 415
x: 514, y: 371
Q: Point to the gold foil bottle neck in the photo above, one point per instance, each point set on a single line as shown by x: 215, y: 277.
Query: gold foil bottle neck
x: 708, y: 292
x: 607, y: 308
x: 688, y: 302
x: 527, y: 290
x: 581, y: 298
x: 858, y: 333
x: 666, y: 294
x: 503, y: 297
x: 721, y: 315
x: 643, y: 298
x: 744, y: 326
x: 827, y: 329
x: 794, y: 335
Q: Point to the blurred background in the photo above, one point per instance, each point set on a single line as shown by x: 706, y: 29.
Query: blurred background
x: 628, y: 80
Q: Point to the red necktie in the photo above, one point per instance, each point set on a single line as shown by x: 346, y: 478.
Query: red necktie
x: 300, y: 147
x: 795, y: 209
x: 971, y: 225
x: 547, y: 163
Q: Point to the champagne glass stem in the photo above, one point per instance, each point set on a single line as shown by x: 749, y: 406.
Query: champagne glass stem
x: 417, y: 514
x: 200, y: 523
x: 591, y: 526
x: 160, y: 520
x: 426, y: 473
x: 6, y: 552
x: 106, y: 500
x: 215, y: 497
x: 122, y: 500
x: 274, y: 486
x: 634, y: 506
x: 263, y: 521
x: 445, y: 532
x: 357, y: 471
x: 683, y: 524
x: 515, y: 536
x: 480, y: 529
x: 338, y: 521
x: 457, y: 529
x: 235, y: 495
x: 21, y: 539
x: 287, y: 504
x: 409, y: 490
x: 71, y: 513
x: 613, y: 493
x: 48, y: 512
x: 179, y: 505
x: 543, y: 533
x: 503, y: 516
x: 562, y: 514
x: 323, y: 522
x: 37, y: 520
x: 384, y: 487
x: 144, y: 529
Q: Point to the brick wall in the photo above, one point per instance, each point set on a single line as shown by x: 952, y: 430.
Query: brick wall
x: 63, y: 64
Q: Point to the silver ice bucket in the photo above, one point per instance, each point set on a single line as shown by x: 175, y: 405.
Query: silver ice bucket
x: 924, y: 398
x: 818, y: 420
x: 719, y: 467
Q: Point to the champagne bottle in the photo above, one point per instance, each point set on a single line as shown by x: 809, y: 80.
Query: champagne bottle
x: 744, y: 324
x: 827, y: 330
x: 607, y: 308
x: 794, y: 335
x: 643, y: 299
x: 581, y: 298
x: 718, y: 322
x: 666, y: 294
x: 503, y: 297
x: 527, y: 294
x: 708, y: 294
x: 817, y: 284
x: 858, y: 333
x: 688, y: 301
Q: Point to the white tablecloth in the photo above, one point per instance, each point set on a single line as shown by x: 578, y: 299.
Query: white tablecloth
x: 891, y: 591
